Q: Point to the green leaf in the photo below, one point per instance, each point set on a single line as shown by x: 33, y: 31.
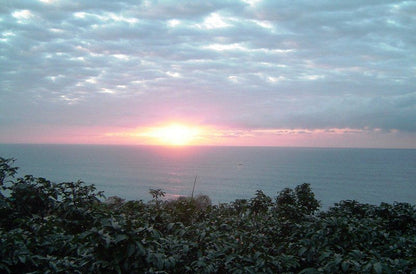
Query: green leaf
x: 356, y: 254
x: 302, y: 251
x: 121, y: 237
x: 140, y: 249
x: 378, y: 268
x: 324, y: 255
x: 22, y: 258
x: 130, y: 249
x: 309, y: 270
x: 203, y: 234
x: 229, y: 258
x: 345, y: 265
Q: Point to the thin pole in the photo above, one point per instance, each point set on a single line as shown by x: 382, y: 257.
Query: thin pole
x: 192, y: 196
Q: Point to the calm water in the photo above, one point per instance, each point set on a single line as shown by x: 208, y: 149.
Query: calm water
x: 226, y: 173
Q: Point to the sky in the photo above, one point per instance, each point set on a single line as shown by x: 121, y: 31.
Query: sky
x: 240, y: 72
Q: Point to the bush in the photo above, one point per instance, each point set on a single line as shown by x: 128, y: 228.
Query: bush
x: 295, y: 205
x: 48, y: 227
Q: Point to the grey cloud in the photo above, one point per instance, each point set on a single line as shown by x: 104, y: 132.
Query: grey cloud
x: 385, y: 113
x: 349, y: 64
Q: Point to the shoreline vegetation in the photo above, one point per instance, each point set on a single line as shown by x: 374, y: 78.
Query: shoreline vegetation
x: 66, y: 227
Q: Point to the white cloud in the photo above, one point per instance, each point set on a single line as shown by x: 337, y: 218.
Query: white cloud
x: 173, y: 74
x: 312, y: 77
x: 173, y: 23
x: 215, y: 21
x: 23, y: 16
x: 234, y: 79
x: 222, y: 47
x: 48, y: 1
x: 241, y: 47
x: 275, y: 79
x: 264, y: 24
x: 252, y: 3
x: 122, y: 57
x: 106, y: 90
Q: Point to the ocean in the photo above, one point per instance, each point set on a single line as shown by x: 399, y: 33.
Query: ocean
x: 226, y: 173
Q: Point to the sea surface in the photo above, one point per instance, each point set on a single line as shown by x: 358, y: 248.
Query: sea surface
x: 226, y: 173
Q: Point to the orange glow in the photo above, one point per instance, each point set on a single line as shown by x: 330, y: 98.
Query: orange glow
x: 174, y: 134
x: 179, y: 134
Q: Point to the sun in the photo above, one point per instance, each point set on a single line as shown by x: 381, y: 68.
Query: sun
x: 174, y: 134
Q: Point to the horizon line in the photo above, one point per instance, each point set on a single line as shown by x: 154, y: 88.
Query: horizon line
x: 187, y: 146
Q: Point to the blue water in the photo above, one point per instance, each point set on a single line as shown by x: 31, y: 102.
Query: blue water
x: 226, y: 173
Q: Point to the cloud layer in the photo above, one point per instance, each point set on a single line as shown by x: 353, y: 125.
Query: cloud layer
x: 251, y: 65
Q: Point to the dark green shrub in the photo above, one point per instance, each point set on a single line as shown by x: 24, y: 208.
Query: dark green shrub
x: 6, y: 171
x: 294, y: 205
x: 66, y: 228
x: 260, y: 203
x: 305, y: 199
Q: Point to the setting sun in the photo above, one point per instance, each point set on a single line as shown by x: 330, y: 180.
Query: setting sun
x: 174, y: 134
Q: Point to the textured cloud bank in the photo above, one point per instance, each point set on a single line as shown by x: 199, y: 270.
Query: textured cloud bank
x: 246, y: 65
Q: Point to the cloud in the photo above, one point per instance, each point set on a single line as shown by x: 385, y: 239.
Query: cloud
x: 244, y: 64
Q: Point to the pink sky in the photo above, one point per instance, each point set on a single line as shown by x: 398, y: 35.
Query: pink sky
x: 216, y: 136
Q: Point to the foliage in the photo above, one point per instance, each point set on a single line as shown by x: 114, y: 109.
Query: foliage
x: 47, y: 227
x: 294, y: 205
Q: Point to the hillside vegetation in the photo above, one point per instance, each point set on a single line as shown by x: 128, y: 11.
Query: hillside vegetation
x: 47, y: 227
